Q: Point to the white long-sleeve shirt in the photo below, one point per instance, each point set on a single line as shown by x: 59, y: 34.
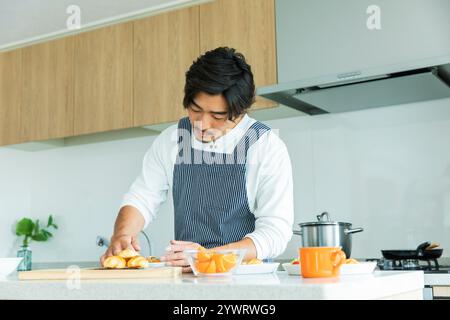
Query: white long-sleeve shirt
x: 268, y: 182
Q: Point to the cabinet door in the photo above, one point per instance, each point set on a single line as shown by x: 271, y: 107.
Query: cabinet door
x: 323, y: 38
x: 48, y: 90
x: 10, y: 97
x: 164, y: 48
x: 249, y: 27
x: 103, y: 67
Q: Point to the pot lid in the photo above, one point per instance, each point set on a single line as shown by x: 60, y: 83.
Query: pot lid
x: 324, y: 219
x: 324, y: 223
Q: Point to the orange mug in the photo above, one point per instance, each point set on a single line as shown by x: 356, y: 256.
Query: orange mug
x: 318, y: 262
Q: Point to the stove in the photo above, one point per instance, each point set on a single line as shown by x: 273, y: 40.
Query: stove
x: 435, y: 274
x: 427, y: 266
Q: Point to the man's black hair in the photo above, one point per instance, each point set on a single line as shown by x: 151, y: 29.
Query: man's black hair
x: 222, y: 71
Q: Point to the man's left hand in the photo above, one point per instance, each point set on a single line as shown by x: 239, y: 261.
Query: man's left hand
x: 174, y: 254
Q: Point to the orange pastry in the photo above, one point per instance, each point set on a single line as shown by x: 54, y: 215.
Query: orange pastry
x: 153, y: 259
x: 115, y: 262
x: 128, y: 253
x: 137, y: 262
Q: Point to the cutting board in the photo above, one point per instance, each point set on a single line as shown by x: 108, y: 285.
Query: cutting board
x: 90, y: 274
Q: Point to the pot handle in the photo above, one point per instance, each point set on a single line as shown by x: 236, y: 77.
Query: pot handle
x: 298, y: 232
x: 322, y: 216
x: 349, y: 231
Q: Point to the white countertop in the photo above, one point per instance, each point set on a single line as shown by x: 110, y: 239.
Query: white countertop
x: 274, y: 286
x: 437, y: 279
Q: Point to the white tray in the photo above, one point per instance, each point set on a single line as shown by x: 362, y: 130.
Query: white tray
x: 257, y: 268
x: 358, y: 268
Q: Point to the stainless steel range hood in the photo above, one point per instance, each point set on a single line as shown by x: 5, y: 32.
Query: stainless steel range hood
x: 322, y: 96
x: 329, y: 59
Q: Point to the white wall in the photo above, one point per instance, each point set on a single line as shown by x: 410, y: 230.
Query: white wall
x: 386, y: 170
x: 15, y: 177
x: 83, y: 186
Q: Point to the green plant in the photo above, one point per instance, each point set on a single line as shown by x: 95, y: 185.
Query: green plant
x: 33, y: 231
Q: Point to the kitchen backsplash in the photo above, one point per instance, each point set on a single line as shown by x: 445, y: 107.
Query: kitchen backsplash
x: 386, y: 170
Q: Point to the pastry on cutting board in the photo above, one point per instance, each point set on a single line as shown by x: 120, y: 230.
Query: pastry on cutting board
x: 137, y: 262
x: 128, y: 253
x: 128, y: 258
x: 115, y: 262
x: 153, y: 259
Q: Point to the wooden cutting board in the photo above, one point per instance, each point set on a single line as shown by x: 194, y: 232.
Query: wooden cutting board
x: 91, y: 273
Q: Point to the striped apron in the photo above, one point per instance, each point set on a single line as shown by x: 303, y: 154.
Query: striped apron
x: 209, y: 190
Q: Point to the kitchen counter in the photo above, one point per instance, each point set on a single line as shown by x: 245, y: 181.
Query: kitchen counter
x: 437, y: 279
x: 279, y: 285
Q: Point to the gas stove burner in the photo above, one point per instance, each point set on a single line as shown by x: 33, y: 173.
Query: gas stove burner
x: 407, y: 264
x: 403, y: 264
x: 427, y: 266
x: 410, y: 264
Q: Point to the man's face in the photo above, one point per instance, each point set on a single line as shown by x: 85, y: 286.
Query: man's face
x: 209, y: 117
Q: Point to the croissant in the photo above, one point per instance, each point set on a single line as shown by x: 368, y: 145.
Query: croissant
x: 128, y: 253
x: 115, y: 262
x: 137, y: 262
x: 153, y: 259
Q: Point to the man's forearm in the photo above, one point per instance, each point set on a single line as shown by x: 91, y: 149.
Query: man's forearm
x: 129, y: 222
x: 245, y: 243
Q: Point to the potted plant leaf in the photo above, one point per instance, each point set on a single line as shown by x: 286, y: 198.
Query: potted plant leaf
x: 32, y: 230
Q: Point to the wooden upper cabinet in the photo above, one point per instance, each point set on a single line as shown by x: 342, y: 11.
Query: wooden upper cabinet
x: 48, y: 90
x: 127, y: 75
x: 249, y: 27
x: 164, y: 48
x: 103, y: 71
x: 10, y: 97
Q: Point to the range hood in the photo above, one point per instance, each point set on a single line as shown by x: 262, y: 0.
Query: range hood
x: 319, y: 96
x: 331, y: 59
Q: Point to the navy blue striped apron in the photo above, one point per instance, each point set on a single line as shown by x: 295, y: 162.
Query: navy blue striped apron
x: 209, y: 190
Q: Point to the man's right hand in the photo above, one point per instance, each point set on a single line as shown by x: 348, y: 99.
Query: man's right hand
x: 119, y: 243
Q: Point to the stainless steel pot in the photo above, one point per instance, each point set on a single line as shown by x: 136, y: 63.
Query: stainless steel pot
x: 326, y: 233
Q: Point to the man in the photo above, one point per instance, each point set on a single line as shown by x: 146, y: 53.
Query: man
x: 231, y: 179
